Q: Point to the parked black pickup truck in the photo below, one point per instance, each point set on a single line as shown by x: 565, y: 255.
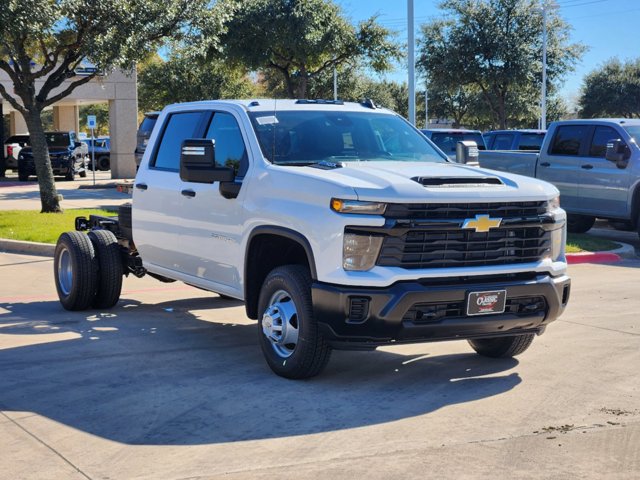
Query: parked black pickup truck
x: 68, y: 157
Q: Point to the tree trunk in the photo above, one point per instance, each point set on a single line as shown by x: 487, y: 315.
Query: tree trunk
x: 301, y: 88
x: 48, y: 193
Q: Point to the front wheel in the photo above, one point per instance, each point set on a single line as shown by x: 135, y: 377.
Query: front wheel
x: 103, y: 164
x: 289, y: 336
x: 579, y: 223
x: 502, y: 347
x: 71, y: 174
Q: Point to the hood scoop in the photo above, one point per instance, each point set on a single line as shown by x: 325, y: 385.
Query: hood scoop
x: 452, y: 182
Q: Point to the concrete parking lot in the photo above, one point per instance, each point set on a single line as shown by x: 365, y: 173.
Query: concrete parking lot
x: 15, y: 195
x: 171, y: 384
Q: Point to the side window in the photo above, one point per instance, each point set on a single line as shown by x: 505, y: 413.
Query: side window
x: 180, y: 126
x: 502, y: 142
x: 601, y: 137
x: 568, y: 139
x: 229, y: 145
x: 530, y: 141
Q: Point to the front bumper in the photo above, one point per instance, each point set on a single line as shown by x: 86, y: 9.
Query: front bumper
x: 58, y: 166
x: 424, y: 311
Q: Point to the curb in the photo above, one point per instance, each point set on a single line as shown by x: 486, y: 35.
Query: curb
x: 592, y: 257
x: 610, y: 256
x: 29, y: 248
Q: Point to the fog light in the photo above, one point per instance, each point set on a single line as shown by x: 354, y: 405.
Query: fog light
x: 360, y: 252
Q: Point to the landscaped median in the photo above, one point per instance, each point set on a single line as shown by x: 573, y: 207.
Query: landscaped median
x: 32, y: 232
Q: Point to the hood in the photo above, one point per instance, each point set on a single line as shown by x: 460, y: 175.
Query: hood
x: 53, y: 151
x: 417, y: 182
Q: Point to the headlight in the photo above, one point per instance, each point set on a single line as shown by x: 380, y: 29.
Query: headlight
x: 355, y: 206
x: 553, y: 204
x: 360, y: 252
x: 558, y: 240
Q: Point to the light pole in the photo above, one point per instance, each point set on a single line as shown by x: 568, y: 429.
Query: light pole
x: 412, y: 63
x: 543, y: 101
x: 426, y: 105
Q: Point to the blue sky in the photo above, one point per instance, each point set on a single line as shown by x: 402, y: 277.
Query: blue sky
x: 608, y: 27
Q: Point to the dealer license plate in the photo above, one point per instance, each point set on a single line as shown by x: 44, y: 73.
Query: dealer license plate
x: 484, y: 303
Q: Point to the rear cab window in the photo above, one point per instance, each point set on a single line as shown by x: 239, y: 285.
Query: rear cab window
x: 178, y: 127
x: 568, y: 140
x: 530, y: 141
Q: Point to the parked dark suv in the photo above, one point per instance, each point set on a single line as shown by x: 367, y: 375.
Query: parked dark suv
x: 101, y: 149
x: 68, y: 157
x: 144, y: 132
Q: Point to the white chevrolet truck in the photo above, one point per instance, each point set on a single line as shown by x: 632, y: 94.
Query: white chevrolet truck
x: 339, y: 225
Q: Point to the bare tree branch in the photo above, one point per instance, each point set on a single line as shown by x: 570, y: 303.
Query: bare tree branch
x: 12, y: 101
x: 72, y: 86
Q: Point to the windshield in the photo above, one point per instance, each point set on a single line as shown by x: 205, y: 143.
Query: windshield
x: 447, y: 140
x: 57, y: 139
x: 634, y: 131
x: 307, y: 137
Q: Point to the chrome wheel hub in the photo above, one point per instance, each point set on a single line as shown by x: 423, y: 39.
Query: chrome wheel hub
x: 65, y: 272
x: 280, y: 324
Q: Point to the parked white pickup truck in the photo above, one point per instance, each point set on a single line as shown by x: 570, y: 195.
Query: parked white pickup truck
x: 12, y: 147
x: 338, y: 224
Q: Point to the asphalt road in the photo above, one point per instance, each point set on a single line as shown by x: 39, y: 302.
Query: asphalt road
x: 171, y: 384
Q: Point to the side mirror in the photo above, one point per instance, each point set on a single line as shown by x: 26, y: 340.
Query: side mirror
x: 77, y: 144
x: 618, y: 152
x: 198, y: 162
x: 467, y: 151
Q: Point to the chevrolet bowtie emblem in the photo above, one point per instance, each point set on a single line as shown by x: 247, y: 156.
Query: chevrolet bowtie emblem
x: 482, y: 223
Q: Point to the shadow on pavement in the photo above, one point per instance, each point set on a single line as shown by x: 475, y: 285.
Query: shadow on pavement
x: 159, y: 374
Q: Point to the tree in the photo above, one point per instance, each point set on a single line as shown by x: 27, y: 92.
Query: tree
x: 184, y: 77
x: 495, y: 46
x: 303, y: 39
x: 42, y: 42
x: 613, y: 90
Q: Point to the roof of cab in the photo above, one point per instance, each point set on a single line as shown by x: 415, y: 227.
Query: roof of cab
x: 271, y: 104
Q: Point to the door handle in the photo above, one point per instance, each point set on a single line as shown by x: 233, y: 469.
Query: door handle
x: 588, y: 166
x: 545, y: 164
x: 141, y: 186
x: 188, y: 193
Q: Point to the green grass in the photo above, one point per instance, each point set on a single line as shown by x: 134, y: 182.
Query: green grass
x: 33, y: 226
x: 580, y: 242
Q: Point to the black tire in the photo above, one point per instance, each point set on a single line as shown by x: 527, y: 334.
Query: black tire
x: 288, y: 289
x: 75, y: 271
x: 71, y: 174
x: 579, y: 223
x: 110, y: 270
x: 83, y: 173
x: 22, y: 176
x: 103, y: 163
x: 502, y: 347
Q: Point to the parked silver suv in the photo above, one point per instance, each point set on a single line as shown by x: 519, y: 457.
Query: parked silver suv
x: 144, y: 132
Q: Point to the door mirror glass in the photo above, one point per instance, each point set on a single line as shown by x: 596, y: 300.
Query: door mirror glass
x: 198, y: 162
